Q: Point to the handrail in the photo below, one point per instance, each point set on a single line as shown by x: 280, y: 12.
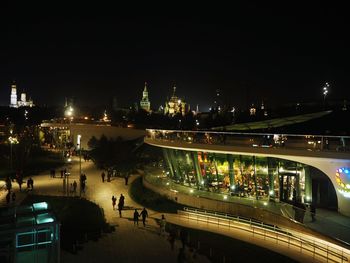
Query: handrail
x: 317, y: 249
x: 249, y: 133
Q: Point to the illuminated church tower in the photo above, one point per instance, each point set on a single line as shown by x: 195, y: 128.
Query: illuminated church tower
x: 145, y: 103
x: 13, y: 96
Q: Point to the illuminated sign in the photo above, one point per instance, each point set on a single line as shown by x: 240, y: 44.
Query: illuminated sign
x: 342, y: 177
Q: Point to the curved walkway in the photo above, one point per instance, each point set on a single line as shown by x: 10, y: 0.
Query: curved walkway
x: 128, y: 243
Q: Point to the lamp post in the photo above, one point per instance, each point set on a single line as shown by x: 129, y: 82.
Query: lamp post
x: 325, y: 92
x: 79, y: 145
x: 11, y: 153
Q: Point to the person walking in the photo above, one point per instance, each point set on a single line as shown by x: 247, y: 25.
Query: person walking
x: 31, y: 183
x: 136, y: 217
x: 121, y: 200
x: 75, y: 186
x: 183, y: 237
x: 162, y: 225
x: 144, y: 215
x: 114, y: 200
x: 8, y: 197
x: 103, y: 175
x: 313, y: 212
x: 120, y: 207
x: 126, y: 179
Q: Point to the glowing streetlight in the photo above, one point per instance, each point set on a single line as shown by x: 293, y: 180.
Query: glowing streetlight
x: 12, y: 140
x: 325, y: 92
x: 69, y: 111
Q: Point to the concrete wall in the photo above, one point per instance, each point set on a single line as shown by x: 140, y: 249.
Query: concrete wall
x: 326, y: 162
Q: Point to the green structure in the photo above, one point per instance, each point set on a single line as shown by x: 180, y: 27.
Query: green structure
x: 29, y: 234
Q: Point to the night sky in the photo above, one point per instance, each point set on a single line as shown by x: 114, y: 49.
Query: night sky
x: 251, y: 52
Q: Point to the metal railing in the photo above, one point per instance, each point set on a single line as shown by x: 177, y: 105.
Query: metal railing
x: 258, y: 140
x: 311, y: 246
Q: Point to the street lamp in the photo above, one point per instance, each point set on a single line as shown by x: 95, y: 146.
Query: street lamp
x: 325, y: 92
x: 12, y: 140
x: 79, y: 145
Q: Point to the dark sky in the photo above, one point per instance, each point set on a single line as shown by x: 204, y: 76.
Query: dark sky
x: 252, y: 52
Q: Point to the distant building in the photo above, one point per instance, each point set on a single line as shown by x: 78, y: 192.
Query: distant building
x: 175, y: 105
x: 23, y: 102
x: 145, y: 104
x: 252, y: 110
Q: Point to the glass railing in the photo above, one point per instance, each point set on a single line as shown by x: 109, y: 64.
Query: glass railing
x: 323, y: 143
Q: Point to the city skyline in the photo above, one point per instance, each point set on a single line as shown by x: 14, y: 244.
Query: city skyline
x: 254, y: 53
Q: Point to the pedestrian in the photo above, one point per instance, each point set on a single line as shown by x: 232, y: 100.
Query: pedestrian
x: 103, y: 177
x: 313, y: 212
x: 108, y: 176
x: 53, y: 173
x: 121, y: 200
x: 83, y: 186
x: 13, y: 197
x: 75, y: 186
x: 136, y: 217
x: 171, y: 238
x: 183, y: 237
x: 162, y: 224
x: 144, y: 215
x: 126, y: 179
x: 8, y: 184
x: 20, y: 182
x: 62, y: 173
x: 8, y: 197
x: 71, y: 189
x: 114, y: 200
x: 120, y: 208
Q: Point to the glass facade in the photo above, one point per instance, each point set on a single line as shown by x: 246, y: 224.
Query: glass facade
x: 261, y: 178
x: 29, y: 234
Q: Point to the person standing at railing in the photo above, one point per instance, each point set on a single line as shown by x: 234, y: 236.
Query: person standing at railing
x: 313, y: 212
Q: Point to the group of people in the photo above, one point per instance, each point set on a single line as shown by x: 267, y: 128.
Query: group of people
x: 111, y: 173
x: 120, y: 203
x: 143, y: 214
x: 73, y: 187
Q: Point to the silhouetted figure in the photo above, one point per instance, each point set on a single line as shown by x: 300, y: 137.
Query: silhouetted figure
x: 114, y: 200
x: 313, y: 212
x: 13, y: 197
x: 172, y: 237
x: 144, y: 215
x: 183, y: 237
x: 8, y: 197
x: 121, y: 200
x: 103, y: 175
x: 126, y: 179
x: 162, y: 225
x: 136, y: 217
x: 75, y: 186
x: 120, y: 208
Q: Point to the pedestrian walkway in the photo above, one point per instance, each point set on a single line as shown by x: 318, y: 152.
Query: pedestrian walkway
x: 128, y: 243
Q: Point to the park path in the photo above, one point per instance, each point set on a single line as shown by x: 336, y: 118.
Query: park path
x: 128, y: 243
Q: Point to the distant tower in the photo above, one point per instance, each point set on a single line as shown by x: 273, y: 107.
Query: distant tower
x: 13, y: 96
x: 345, y: 106
x: 145, y: 103
x: 252, y: 110
x: 262, y: 105
x: 23, y: 97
